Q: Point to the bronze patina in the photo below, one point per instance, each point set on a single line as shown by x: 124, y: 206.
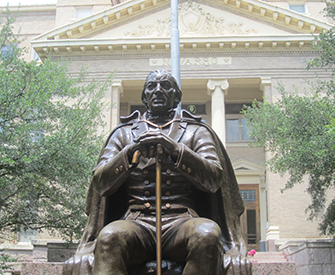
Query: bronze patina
x: 200, y: 199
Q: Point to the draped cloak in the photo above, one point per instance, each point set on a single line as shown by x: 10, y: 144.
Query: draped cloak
x: 225, y: 206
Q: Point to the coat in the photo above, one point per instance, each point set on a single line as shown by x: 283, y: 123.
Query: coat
x: 225, y: 206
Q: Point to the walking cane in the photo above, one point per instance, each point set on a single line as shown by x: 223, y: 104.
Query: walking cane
x: 159, y: 153
x: 135, y: 160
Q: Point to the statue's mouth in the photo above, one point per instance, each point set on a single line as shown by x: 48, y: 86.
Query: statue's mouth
x: 159, y: 100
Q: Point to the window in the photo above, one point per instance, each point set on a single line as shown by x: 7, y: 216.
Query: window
x: 8, y: 50
x: 236, y: 129
x: 83, y: 12
x: 298, y: 8
x: 36, y: 56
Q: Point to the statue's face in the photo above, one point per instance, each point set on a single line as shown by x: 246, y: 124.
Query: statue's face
x: 159, y: 93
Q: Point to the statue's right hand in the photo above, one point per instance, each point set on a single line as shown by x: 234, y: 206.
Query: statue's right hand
x: 237, y: 265
x: 78, y: 264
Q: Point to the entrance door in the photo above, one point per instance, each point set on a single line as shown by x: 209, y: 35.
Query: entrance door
x: 250, y: 220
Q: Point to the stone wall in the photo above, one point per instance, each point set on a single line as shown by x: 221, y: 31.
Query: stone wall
x: 312, y: 256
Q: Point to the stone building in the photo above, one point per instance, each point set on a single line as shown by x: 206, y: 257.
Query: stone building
x: 232, y: 52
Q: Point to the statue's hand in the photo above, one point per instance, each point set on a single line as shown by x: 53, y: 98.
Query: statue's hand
x: 237, y: 265
x: 147, y: 142
x: 79, y: 264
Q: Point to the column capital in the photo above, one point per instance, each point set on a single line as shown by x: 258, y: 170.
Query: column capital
x: 212, y: 84
x: 117, y: 85
x: 266, y: 87
x: 265, y: 82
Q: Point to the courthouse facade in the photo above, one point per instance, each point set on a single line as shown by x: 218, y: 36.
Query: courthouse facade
x: 232, y: 52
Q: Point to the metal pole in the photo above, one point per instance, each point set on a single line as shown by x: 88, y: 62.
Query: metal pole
x: 159, y: 153
x: 174, y: 41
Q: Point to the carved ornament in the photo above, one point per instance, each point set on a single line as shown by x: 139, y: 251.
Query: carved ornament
x: 193, y: 20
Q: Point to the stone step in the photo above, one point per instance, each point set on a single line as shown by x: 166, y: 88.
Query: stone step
x: 269, y: 257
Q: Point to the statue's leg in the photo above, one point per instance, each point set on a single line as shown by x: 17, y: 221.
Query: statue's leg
x: 198, y: 242
x: 120, y: 245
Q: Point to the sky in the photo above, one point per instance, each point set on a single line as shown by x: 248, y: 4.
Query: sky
x: 26, y: 2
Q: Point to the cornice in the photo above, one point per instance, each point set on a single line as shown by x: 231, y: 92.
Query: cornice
x: 256, y: 9
x: 104, y: 19
x: 92, y: 56
x: 274, y: 15
x: 135, y: 46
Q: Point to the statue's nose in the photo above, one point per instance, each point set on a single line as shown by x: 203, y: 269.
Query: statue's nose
x: 158, y: 88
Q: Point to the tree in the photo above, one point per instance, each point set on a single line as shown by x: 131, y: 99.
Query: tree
x: 49, y: 140
x: 6, y: 262
x: 299, y: 131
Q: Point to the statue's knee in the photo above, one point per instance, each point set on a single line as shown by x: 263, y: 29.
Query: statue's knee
x: 207, y: 233
x: 114, y: 233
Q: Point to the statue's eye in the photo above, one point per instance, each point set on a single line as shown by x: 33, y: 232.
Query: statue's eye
x: 166, y: 85
x: 152, y: 85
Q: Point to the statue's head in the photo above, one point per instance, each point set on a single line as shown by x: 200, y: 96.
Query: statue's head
x: 161, y: 92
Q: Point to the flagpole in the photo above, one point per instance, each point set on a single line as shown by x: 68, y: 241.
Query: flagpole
x: 174, y: 41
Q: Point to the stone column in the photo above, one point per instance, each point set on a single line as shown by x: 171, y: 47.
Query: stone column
x: 263, y: 210
x: 218, y: 88
x: 272, y: 188
x: 117, y: 91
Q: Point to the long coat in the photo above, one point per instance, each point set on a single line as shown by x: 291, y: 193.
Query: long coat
x: 224, y: 206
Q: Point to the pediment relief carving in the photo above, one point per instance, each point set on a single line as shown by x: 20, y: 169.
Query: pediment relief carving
x: 193, y: 20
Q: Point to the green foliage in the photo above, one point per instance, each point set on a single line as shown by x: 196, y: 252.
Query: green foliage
x: 49, y: 141
x: 294, y: 130
x: 6, y: 262
x: 299, y: 131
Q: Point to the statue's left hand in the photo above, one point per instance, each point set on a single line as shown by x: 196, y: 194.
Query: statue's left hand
x: 147, y: 141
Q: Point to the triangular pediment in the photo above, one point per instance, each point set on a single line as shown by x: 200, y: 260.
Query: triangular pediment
x: 195, y: 20
x: 243, y: 164
x: 143, y: 24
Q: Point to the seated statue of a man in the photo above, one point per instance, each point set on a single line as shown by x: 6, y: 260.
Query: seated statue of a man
x: 201, y: 203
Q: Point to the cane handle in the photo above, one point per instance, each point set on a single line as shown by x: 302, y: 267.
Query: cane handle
x: 136, y: 157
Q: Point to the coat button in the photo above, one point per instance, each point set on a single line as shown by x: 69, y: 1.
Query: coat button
x: 146, y: 182
x: 189, y: 170
x: 167, y: 193
x: 183, y: 167
x: 168, y: 206
x: 168, y: 182
x: 121, y: 168
x: 147, y: 193
x: 116, y: 170
x: 168, y: 171
x: 145, y: 172
x: 147, y: 205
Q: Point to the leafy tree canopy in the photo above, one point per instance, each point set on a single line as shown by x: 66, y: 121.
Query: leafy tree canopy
x: 49, y: 140
x: 299, y: 131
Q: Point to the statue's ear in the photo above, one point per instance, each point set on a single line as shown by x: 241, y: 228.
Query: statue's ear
x: 145, y: 102
x: 176, y: 99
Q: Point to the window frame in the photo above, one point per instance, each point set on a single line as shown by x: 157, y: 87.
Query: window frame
x: 290, y: 5
x: 235, y: 117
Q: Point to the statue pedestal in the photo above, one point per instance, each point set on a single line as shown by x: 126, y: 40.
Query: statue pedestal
x: 257, y: 269
x: 41, y: 268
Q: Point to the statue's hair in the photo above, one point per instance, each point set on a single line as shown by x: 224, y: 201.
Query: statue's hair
x: 177, y: 93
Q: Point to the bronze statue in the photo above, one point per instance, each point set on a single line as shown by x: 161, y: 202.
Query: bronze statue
x: 201, y: 202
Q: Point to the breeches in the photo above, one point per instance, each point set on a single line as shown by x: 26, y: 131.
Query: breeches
x: 186, y: 238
